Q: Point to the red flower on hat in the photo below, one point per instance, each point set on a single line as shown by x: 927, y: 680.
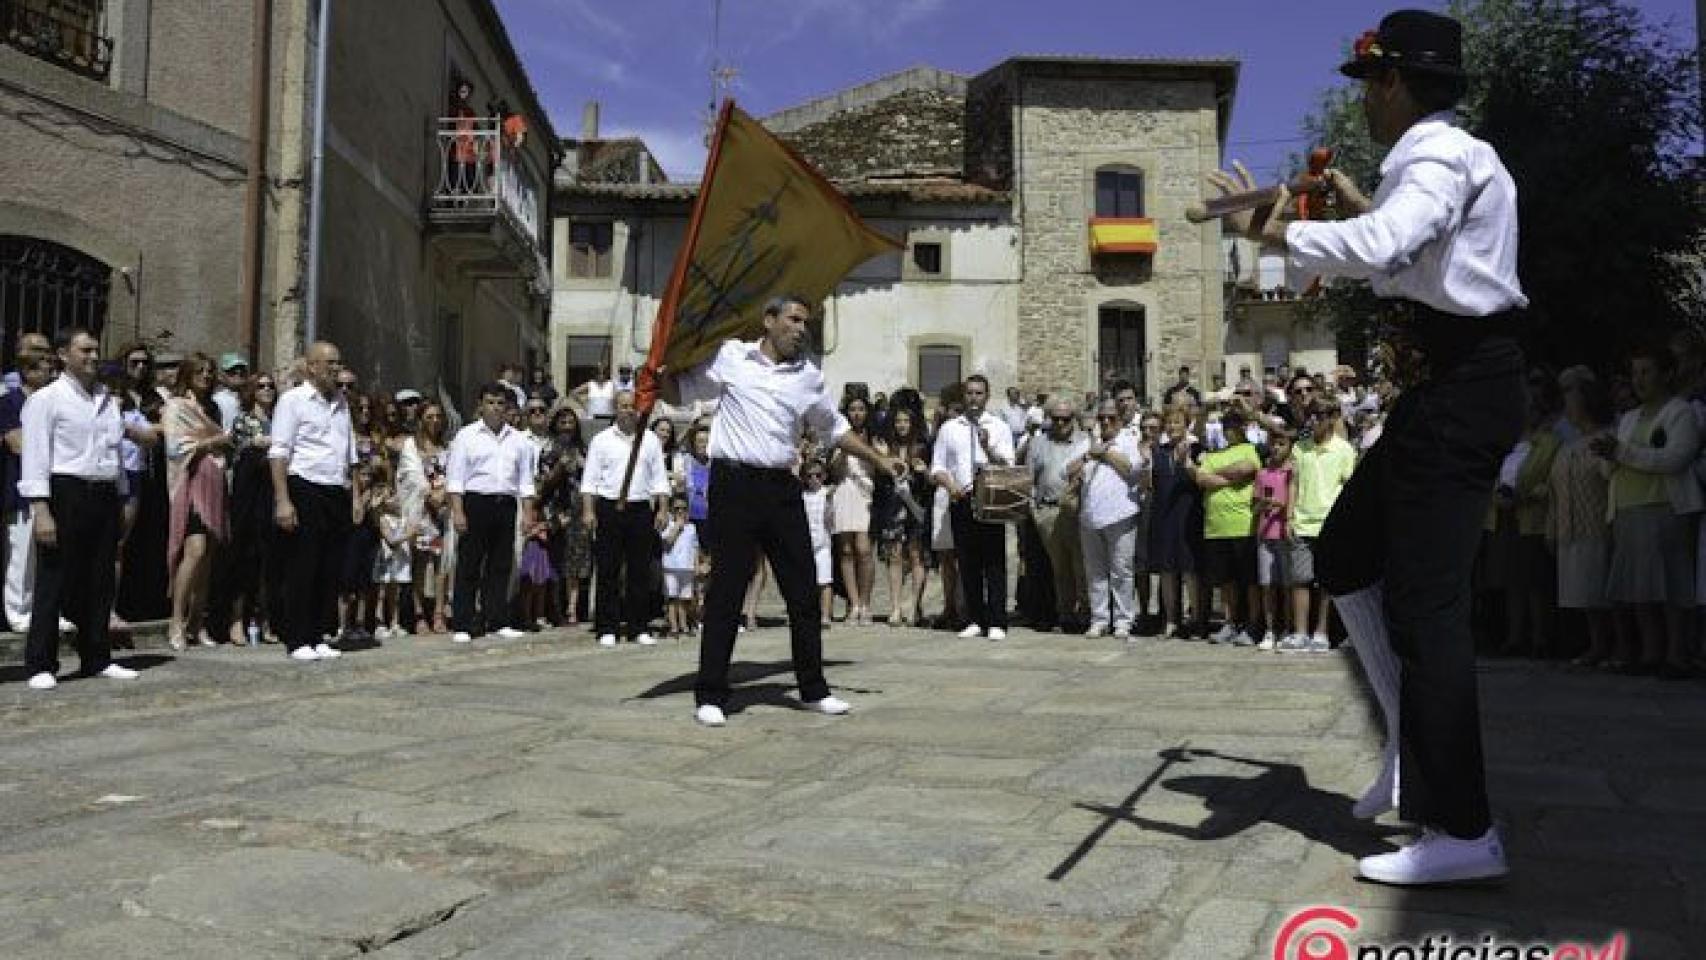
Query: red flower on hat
x: 1367, y: 46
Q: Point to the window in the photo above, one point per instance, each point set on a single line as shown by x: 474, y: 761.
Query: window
x: 70, y: 33
x: 927, y: 257
x: 585, y: 356
x: 45, y: 288
x: 1119, y: 192
x: 1120, y: 346
x: 589, y: 250
x: 938, y: 366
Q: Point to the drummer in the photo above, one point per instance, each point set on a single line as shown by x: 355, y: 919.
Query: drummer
x: 966, y: 446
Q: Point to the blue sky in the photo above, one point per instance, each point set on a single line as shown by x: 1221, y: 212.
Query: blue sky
x: 648, y: 61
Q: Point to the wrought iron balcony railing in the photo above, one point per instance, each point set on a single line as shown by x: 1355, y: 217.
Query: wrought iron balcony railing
x: 68, y: 34
x: 480, y: 173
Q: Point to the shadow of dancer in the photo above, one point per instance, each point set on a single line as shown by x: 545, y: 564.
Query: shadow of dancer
x: 1281, y: 794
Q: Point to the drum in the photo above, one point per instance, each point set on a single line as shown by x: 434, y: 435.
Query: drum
x: 1001, y: 494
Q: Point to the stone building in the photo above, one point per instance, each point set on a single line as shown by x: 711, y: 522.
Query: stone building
x: 1266, y: 325
x: 1041, y: 204
x: 129, y: 123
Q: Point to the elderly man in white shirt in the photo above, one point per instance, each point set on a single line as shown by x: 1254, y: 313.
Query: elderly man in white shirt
x: 965, y: 445
x: 767, y: 391
x: 313, y: 449
x: 625, y: 533
x: 1108, y: 473
x: 489, y: 468
x: 1439, y: 242
x: 70, y: 475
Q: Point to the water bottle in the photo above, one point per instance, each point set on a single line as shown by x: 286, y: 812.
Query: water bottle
x: 254, y: 634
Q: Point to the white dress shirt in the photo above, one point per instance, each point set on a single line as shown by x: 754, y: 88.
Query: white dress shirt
x: 229, y: 404
x: 499, y: 464
x: 69, y: 432
x: 1108, y: 497
x: 312, y: 434
x: 607, y: 461
x: 960, y: 455
x: 762, y: 405
x: 1443, y: 230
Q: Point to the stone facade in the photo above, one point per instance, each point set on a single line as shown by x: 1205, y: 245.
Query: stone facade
x: 144, y: 170
x: 911, y: 131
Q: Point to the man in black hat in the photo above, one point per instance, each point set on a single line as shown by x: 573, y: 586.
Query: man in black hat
x: 1439, y: 245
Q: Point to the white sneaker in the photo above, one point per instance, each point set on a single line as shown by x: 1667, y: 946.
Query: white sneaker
x: 304, y: 654
x: 328, y: 652
x: 646, y: 640
x: 709, y: 715
x: 1224, y: 634
x: 607, y: 640
x: 997, y: 633
x: 1096, y: 630
x: 972, y: 630
x: 43, y: 681
x: 1269, y: 641
x: 1295, y: 643
x: 1439, y: 858
x: 1243, y: 639
x: 511, y: 633
x: 1122, y: 631
x: 831, y: 706
x: 1319, y: 644
x: 461, y: 636
x: 382, y: 633
x: 113, y: 671
x: 66, y: 626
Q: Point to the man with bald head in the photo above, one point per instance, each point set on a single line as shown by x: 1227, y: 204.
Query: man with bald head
x: 1055, y: 515
x: 312, y: 451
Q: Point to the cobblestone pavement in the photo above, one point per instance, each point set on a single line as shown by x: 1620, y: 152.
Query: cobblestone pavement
x: 1046, y: 796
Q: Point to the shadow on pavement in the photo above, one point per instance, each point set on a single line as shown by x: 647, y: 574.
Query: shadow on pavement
x: 740, y: 672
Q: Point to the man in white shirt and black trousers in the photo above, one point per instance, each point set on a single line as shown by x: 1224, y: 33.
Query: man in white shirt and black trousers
x: 766, y: 391
x: 70, y: 475
x: 491, y: 466
x: 1439, y: 243
x: 966, y: 445
x: 626, y: 539
x: 313, y: 449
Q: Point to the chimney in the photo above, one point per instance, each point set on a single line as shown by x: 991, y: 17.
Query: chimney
x: 645, y: 160
x: 589, y: 121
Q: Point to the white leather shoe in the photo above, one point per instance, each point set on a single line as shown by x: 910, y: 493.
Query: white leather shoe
x: 1439, y: 858
x: 328, y: 652
x: 511, y: 633
x: 113, y: 671
x: 971, y: 631
x: 1096, y: 630
x: 710, y: 715
x: 645, y: 640
x: 831, y: 706
x: 461, y: 636
x: 607, y: 640
x: 997, y: 633
x: 43, y: 681
x: 304, y: 654
x: 66, y: 626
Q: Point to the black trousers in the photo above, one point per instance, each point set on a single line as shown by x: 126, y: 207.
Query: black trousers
x: 622, y: 552
x: 310, y: 558
x: 1411, y: 518
x: 485, y: 555
x: 74, y: 578
x: 753, y: 509
x: 982, y: 550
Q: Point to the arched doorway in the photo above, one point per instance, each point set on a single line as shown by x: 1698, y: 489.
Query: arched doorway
x: 1122, y: 345
x: 46, y: 287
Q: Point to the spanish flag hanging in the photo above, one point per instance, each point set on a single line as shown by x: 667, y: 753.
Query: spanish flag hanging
x: 765, y: 224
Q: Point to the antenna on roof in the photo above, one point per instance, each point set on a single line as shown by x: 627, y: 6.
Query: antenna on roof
x: 722, y: 74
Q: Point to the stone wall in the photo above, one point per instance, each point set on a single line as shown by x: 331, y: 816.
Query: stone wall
x: 912, y: 130
x: 1066, y: 129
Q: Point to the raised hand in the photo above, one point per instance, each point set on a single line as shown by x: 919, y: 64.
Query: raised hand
x: 1240, y: 181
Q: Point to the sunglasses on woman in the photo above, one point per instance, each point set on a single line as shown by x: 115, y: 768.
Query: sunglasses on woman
x: 264, y: 386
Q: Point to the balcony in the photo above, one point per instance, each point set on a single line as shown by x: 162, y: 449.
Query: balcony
x: 67, y: 33
x: 1123, y: 235
x: 485, y: 205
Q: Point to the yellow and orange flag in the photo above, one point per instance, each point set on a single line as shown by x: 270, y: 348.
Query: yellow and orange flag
x: 765, y: 224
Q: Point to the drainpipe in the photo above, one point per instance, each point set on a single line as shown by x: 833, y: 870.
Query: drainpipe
x: 317, y: 178
x: 253, y: 256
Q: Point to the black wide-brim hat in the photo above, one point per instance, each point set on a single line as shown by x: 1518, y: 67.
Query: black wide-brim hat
x: 1410, y: 40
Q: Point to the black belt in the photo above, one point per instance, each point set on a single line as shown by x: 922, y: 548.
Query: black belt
x: 102, y: 483
x: 1417, y: 341
x: 748, y: 470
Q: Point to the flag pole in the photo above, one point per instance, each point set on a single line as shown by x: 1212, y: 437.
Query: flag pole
x: 646, y: 381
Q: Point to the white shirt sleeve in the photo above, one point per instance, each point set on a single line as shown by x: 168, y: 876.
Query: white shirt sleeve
x: 285, y: 420
x: 1001, y: 443
x: 456, y: 465
x: 527, y: 465
x: 1428, y: 197
x: 826, y: 421
x: 705, y: 382
x: 652, y: 452
x: 37, y: 459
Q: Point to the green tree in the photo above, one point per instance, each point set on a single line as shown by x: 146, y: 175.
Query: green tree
x: 1595, y: 112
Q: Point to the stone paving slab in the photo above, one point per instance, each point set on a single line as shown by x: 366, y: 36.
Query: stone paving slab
x: 1047, y: 796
